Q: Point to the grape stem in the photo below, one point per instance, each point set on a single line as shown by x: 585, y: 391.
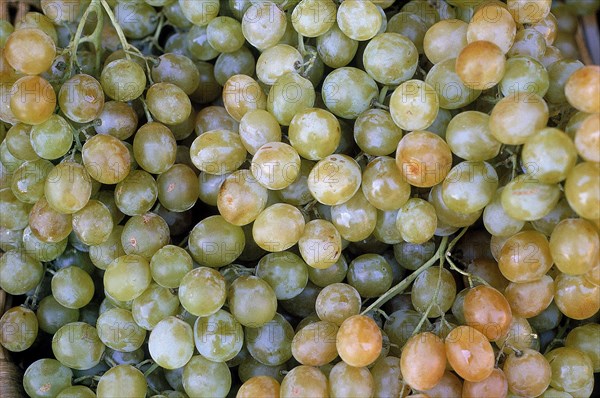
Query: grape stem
x: 383, y: 94
x: 558, y: 339
x: 402, y: 285
x: 115, y: 24
x: 95, y: 38
x: 150, y: 369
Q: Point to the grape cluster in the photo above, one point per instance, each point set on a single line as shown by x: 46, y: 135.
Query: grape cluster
x: 300, y: 198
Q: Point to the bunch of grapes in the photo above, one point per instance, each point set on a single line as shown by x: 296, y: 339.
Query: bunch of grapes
x: 300, y: 198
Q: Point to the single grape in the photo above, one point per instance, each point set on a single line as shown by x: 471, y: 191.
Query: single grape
x: 171, y: 343
x: 218, y: 337
x: 360, y: 28
x: 252, y: 301
x: 320, y: 244
x: 315, y: 344
x: 285, y: 272
x: 19, y: 273
x: 348, y: 91
x: 81, y: 98
x: 118, y: 330
x: 527, y: 372
x: 315, y: 133
x: 334, y: 179
x: 123, y: 80
x: 359, y: 341
x: 32, y: 100
x: 127, y: 277
x: 46, y: 378
x: 124, y: 380
x: 78, y: 346
x: 469, y: 353
x: 153, y: 305
x: 525, y: 257
x: 423, y: 351
x: 19, y: 327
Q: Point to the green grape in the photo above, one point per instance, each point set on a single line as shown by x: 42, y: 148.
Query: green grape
x: 285, y: 272
x: 242, y: 94
x: 202, y: 291
x: 127, y: 277
x: 383, y: 184
x: 410, y: 25
x: 198, y: 45
x: 469, y: 186
x: 201, y: 12
x: 209, y: 89
x: 117, y: 119
x: 527, y: 199
x: 77, y: 346
x: 528, y: 42
x: 28, y: 180
x: 571, y: 368
x: 574, y: 246
x: 414, y: 105
x: 500, y: 30
x: 336, y: 49
x: 276, y: 61
x: 8, y: 160
x: 524, y: 74
x: 209, y: 187
x: 178, y: 70
x: 303, y: 304
x: 314, y: 133
x: 278, y: 227
x: 72, y: 287
x: 583, y: 338
x: 218, y: 337
x: 168, y: 103
x: 218, y: 152
x: 559, y: 155
x: 6, y: 28
x: 446, y: 215
x: 263, y: 24
x: 81, y: 98
x: 145, y: 234
x: 355, y: 219
x: 32, y: 100
x: 495, y: 219
x: 68, y: 187
x: 241, y: 198
x: 46, y: 377
x: 348, y: 91
x: 118, y: 330
x: 444, y: 39
x: 169, y: 265
x: 178, y: 188
x: 320, y: 244
x: 171, y: 343
x: 93, y: 224
x: 400, y: 326
x: 51, y: 315
x: 53, y: 138
x: 11, y: 239
x: 124, y: 358
x: 348, y: 381
x: 214, y: 242
x: 271, y: 343
x: 137, y: 20
x: 547, y: 223
x: 334, y: 179
x: 123, y: 80
x: 339, y: 301
x: 19, y: 273
x: 225, y: 34
x: 103, y: 254
x: 370, y: 275
x: 416, y: 220
x: 304, y: 381
x: 385, y: 229
x: 375, y: 132
x: 547, y: 319
x: 289, y: 95
x: 470, y: 138
x: 252, y: 301
x: 76, y: 392
x: 360, y: 28
x: 335, y: 273
x: 313, y: 18
x: 122, y: 380
x: 275, y: 165
x: 136, y: 194
x: 107, y: 197
x: 581, y: 190
x: 18, y: 142
x: 425, y: 287
x: 153, y: 305
x: 204, y: 378
x: 239, y: 62
x: 258, y: 127
x: 15, y: 213
x: 558, y: 74
x: 401, y: 58
x: 19, y: 327
x: 106, y: 159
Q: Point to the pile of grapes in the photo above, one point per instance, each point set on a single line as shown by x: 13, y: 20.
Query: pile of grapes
x: 300, y: 198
